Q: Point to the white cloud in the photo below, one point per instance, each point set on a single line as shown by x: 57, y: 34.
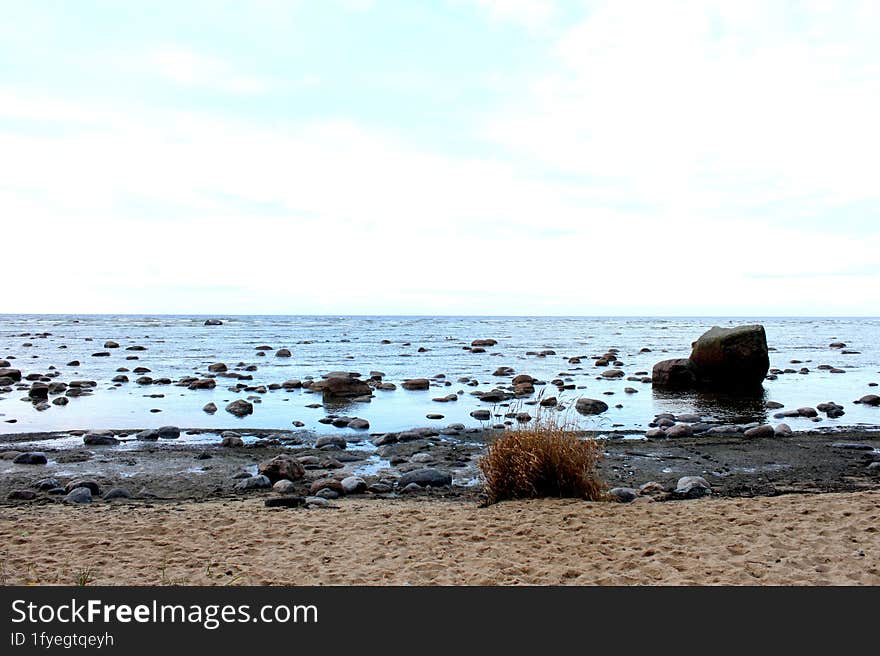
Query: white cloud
x: 192, y: 69
x: 531, y: 14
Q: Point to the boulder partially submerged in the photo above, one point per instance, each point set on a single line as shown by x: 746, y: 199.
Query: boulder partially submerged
x: 735, y: 358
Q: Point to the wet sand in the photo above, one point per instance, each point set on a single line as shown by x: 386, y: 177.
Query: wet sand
x: 804, y: 539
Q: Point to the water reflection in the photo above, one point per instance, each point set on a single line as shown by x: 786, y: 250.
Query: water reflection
x: 733, y: 407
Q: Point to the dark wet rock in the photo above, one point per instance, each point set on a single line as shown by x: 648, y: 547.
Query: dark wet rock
x: 493, y: 396
x: 88, y: 483
x: 240, y: 408
x: 253, y: 483
x: 232, y: 440
x: 831, y: 409
x: 481, y: 415
x: 416, y: 384
x: 590, y: 406
x: 73, y: 363
x: 121, y: 378
x: 484, y: 342
x: 282, y: 353
x: 13, y: 375
x: 136, y: 348
x: 623, y: 494
x: 202, y: 383
x: 213, y: 322
x: 783, y: 430
x: 613, y: 373
x: 869, y: 399
x: 728, y: 357
x: 21, y: 495
x: 807, y: 412
x: 765, y: 430
x: 655, y: 433
x: 335, y: 441
x: 774, y: 405
x: 837, y: 345
x: 282, y: 467
x: 678, y: 373
x: 147, y: 435
x: 341, y: 386
x: 210, y: 408
x: 852, y: 446
x: 285, y: 502
x: 359, y: 424
x: 548, y: 402
x: 47, y: 484
x: 99, y: 438
x: 692, y: 487
x: 217, y: 367
x: 78, y: 495
x: 291, y: 384
x: 117, y: 493
x: 427, y: 477
x: 144, y: 380
x: 110, y: 344
x: 30, y: 458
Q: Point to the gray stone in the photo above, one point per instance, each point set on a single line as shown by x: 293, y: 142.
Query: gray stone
x: 79, y: 495
x: 30, y: 458
x: 425, y: 477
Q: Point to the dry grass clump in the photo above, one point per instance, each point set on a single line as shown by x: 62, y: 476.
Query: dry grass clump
x: 544, y: 460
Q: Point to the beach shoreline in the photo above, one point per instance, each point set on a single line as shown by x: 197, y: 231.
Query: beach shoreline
x: 803, y: 539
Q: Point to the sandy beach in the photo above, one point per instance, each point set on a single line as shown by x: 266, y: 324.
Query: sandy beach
x: 796, y: 539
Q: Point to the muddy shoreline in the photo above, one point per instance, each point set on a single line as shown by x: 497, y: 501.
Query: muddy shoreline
x: 173, y: 470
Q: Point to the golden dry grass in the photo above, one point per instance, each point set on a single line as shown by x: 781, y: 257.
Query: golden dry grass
x: 544, y: 460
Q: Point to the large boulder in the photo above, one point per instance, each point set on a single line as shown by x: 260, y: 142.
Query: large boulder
x: 731, y: 357
x: 12, y: 374
x: 341, y: 386
x: 721, y: 358
x: 678, y: 373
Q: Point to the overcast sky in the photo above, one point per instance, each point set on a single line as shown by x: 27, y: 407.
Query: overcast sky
x: 444, y: 157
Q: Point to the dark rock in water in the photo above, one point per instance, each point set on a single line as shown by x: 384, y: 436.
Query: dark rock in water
x: 734, y: 358
x: 282, y: 353
x: 285, y: 502
x: 213, y: 322
x: 210, y: 408
x: 549, y: 402
x: 110, y: 344
x: 590, y: 406
x: 359, y: 424
x: 217, y: 367
x: 79, y: 495
x: 731, y: 357
x: 679, y: 430
x: 117, y: 493
x: 481, y: 415
x: 692, y: 487
x: 12, y: 374
x: 341, y: 386
x: 147, y: 435
x: 427, y: 477
x: 416, y: 384
x: 21, y: 495
x: 30, y: 458
x: 484, y: 342
x: 831, y: 409
x: 240, y: 408
x: 38, y: 392
x: 869, y: 399
x: 623, y: 494
x: 677, y: 374
x: 202, y: 383
x: 282, y: 467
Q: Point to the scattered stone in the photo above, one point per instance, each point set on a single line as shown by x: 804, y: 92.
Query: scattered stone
x: 30, y: 458
x: 282, y: 467
x: 590, y: 406
x: 765, y: 430
x: 425, y: 477
x: 623, y: 494
x: 78, y: 495
x: 692, y: 487
x: 240, y: 408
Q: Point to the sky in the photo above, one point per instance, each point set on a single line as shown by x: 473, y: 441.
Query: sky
x: 488, y: 157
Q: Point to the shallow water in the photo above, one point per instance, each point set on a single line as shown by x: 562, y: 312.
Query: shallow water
x: 181, y: 345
